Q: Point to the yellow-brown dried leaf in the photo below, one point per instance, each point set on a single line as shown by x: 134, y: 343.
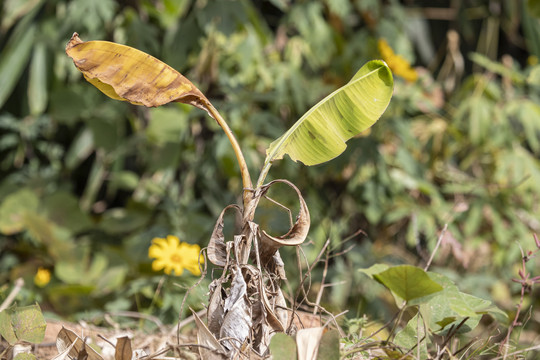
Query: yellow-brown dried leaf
x: 124, y: 73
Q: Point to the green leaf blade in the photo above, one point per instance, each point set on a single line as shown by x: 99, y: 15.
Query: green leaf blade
x: 408, y: 282
x: 329, y: 346
x: 282, y: 347
x: 37, y: 83
x: 24, y: 323
x: 15, y: 56
x: 321, y: 134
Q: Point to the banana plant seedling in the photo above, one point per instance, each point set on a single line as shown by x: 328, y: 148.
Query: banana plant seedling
x: 246, y: 304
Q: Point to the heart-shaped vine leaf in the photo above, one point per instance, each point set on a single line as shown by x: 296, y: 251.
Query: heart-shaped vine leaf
x: 408, y: 282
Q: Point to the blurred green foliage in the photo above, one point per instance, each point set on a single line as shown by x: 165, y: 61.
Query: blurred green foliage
x: 87, y: 182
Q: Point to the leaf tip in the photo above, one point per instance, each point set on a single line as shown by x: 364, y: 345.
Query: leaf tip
x: 75, y: 40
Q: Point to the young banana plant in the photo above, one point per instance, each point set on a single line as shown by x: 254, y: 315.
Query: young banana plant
x: 246, y: 305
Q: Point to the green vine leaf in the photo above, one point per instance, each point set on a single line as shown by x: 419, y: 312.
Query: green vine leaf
x: 408, y: 282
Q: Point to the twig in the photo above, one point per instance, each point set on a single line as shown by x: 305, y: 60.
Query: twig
x: 451, y: 333
x: 188, y: 320
x: 138, y: 315
x: 334, y: 318
x: 325, y: 271
x: 526, y: 285
x: 342, y: 252
x: 201, y: 278
x: 106, y: 340
x: 303, y: 278
x: 439, y: 241
x: 398, y: 317
x: 384, y: 326
x: 311, y: 267
x: 19, y: 283
x: 305, y: 298
x: 532, y: 348
x: 281, y: 206
x: 157, y: 292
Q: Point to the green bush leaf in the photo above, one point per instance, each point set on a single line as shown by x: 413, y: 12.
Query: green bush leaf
x: 320, y: 134
x: 413, y: 335
x: 63, y: 209
x: 451, y: 306
x: 374, y: 269
x: 533, y: 6
x: 15, y: 56
x: 497, y: 67
x: 37, y: 82
x: 13, y: 10
x: 125, y: 180
x: 282, y: 347
x: 408, y: 282
x: 22, y: 324
x: 24, y: 356
x: 167, y: 125
x: 329, y: 346
x: 14, y: 208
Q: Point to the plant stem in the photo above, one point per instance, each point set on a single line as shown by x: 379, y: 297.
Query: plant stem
x: 246, y: 179
x: 264, y: 172
x: 506, y: 341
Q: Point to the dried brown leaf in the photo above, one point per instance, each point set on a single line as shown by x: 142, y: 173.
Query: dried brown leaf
x: 67, y: 339
x: 211, y: 348
x: 307, y: 342
x: 63, y: 355
x: 237, y: 321
x: 215, y: 310
x: 217, y: 250
x: 124, y: 73
x: 296, y: 234
x: 123, y: 349
x: 273, y: 316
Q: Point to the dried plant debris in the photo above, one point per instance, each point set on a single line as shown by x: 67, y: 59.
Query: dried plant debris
x: 246, y: 304
x: 72, y: 341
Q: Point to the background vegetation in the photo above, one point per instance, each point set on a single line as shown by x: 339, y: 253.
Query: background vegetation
x: 87, y: 182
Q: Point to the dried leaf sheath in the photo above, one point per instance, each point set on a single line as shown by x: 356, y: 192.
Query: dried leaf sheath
x: 125, y: 73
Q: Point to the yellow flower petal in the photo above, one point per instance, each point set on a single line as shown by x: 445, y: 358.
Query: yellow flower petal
x: 171, y: 254
x: 178, y: 269
x: 154, y: 251
x: 168, y: 270
x: 173, y: 242
x: 158, y: 248
x: 397, y: 63
x: 42, y: 277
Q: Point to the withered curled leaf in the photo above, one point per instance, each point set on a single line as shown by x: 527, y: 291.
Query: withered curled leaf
x: 215, y: 311
x: 217, y: 250
x: 276, y: 315
x: 211, y: 348
x: 124, y: 73
x: 296, y: 234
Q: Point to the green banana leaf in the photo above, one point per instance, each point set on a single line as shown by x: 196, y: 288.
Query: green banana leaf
x: 320, y: 134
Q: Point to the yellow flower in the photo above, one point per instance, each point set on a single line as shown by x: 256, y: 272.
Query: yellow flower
x: 399, y: 65
x: 42, y: 277
x: 171, y: 254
